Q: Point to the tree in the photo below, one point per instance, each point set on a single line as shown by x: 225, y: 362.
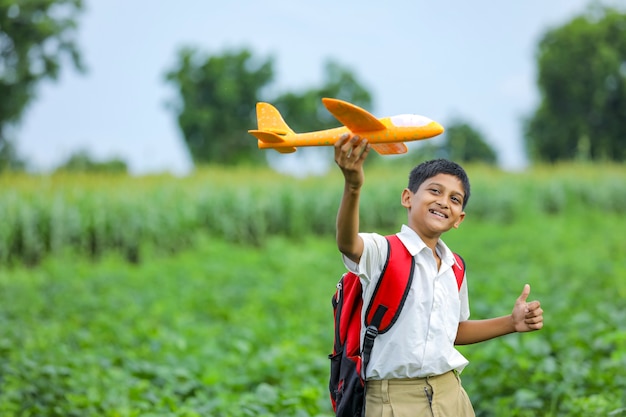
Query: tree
x: 461, y: 142
x: 216, y: 103
x: 217, y: 97
x: 82, y: 162
x: 35, y: 37
x: 582, y: 84
x: 9, y: 159
x: 305, y: 112
x: 464, y: 143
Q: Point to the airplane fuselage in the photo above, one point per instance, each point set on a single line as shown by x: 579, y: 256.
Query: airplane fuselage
x: 328, y: 137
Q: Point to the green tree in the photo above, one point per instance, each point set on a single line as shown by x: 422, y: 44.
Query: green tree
x: 9, y: 159
x: 35, y: 37
x: 215, y: 105
x: 582, y: 84
x: 465, y: 143
x: 217, y: 96
x: 82, y: 162
x: 305, y: 111
x: 461, y: 142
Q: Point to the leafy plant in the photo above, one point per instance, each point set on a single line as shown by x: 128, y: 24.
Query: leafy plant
x: 224, y: 309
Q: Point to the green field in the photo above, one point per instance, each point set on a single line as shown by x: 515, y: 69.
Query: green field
x: 210, y: 295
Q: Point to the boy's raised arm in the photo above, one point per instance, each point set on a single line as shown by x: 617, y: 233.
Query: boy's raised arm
x: 350, y: 153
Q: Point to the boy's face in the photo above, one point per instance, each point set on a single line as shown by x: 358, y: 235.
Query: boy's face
x: 436, y: 207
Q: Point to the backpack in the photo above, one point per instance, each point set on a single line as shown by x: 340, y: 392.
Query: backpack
x: 348, y: 362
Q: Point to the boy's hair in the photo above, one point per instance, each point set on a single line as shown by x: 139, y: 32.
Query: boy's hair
x: 429, y: 169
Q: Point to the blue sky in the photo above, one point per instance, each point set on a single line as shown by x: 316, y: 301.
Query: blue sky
x: 445, y: 60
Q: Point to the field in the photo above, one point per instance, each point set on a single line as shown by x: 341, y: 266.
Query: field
x: 210, y: 295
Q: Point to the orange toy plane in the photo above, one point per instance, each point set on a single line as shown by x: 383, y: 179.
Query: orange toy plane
x: 386, y: 135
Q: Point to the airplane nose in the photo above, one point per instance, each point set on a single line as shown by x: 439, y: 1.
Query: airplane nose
x: 436, y: 128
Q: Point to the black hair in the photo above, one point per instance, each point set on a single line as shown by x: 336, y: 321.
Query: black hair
x: 429, y: 169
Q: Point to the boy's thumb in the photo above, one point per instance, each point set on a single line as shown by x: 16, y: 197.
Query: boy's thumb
x: 525, y: 292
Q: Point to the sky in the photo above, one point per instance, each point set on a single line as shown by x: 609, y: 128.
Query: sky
x: 447, y: 60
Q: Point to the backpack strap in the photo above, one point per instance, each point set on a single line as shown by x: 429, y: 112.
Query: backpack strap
x: 459, y: 269
x: 392, y: 288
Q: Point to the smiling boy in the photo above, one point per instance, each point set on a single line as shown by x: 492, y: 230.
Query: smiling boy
x: 414, y: 367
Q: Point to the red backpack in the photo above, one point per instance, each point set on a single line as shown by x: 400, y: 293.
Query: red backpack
x: 348, y: 362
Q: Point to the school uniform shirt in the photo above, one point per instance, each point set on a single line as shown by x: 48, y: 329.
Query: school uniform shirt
x: 421, y: 342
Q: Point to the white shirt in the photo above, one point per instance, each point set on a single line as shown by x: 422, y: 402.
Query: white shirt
x: 421, y: 342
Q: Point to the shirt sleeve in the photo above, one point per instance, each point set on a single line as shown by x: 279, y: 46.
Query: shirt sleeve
x: 372, y: 259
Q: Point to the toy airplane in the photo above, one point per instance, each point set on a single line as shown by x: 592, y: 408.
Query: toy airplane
x: 385, y: 135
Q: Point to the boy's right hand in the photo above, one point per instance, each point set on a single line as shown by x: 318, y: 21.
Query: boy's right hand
x: 350, y: 153
x: 527, y: 316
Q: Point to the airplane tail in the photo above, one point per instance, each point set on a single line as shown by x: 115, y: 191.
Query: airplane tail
x: 271, y: 128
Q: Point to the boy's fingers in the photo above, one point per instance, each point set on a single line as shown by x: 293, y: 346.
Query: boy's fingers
x: 366, y: 148
x: 533, y: 305
x: 535, y: 323
x: 361, y: 147
x: 525, y: 292
x: 343, y: 147
x: 350, y: 146
x: 343, y: 139
x: 535, y: 313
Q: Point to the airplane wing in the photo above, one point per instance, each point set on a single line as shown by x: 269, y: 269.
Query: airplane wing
x: 353, y: 117
x: 390, y: 148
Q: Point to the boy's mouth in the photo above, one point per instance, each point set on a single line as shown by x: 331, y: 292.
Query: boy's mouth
x: 438, y: 213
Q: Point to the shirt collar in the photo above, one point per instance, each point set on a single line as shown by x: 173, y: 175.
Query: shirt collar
x: 414, y: 244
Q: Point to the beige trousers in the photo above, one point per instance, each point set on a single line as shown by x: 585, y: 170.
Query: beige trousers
x: 436, y: 396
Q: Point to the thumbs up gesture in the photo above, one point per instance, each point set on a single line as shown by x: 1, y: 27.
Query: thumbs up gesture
x: 527, y: 316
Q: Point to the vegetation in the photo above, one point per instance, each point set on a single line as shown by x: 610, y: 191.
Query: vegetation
x: 94, y: 214
x: 222, y: 327
x: 210, y: 295
x: 465, y: 143
x: 582, y: 82
x: 83, y: 162
x: 36, y: 36
x: 216, y: 97
x: 215, y: 103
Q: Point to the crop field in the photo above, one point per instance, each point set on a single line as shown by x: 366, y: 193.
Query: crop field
x: 210, y: 295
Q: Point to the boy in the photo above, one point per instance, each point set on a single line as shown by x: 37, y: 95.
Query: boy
x: 414, y: 367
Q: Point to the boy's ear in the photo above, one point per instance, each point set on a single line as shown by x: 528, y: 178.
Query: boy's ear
x: 406, y: 198
x: 459, y: 220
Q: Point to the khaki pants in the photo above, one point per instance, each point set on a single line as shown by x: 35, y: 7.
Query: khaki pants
x: 437, y: 396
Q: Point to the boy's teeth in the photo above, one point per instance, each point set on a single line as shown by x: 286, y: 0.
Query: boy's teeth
x: 437, y: 213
